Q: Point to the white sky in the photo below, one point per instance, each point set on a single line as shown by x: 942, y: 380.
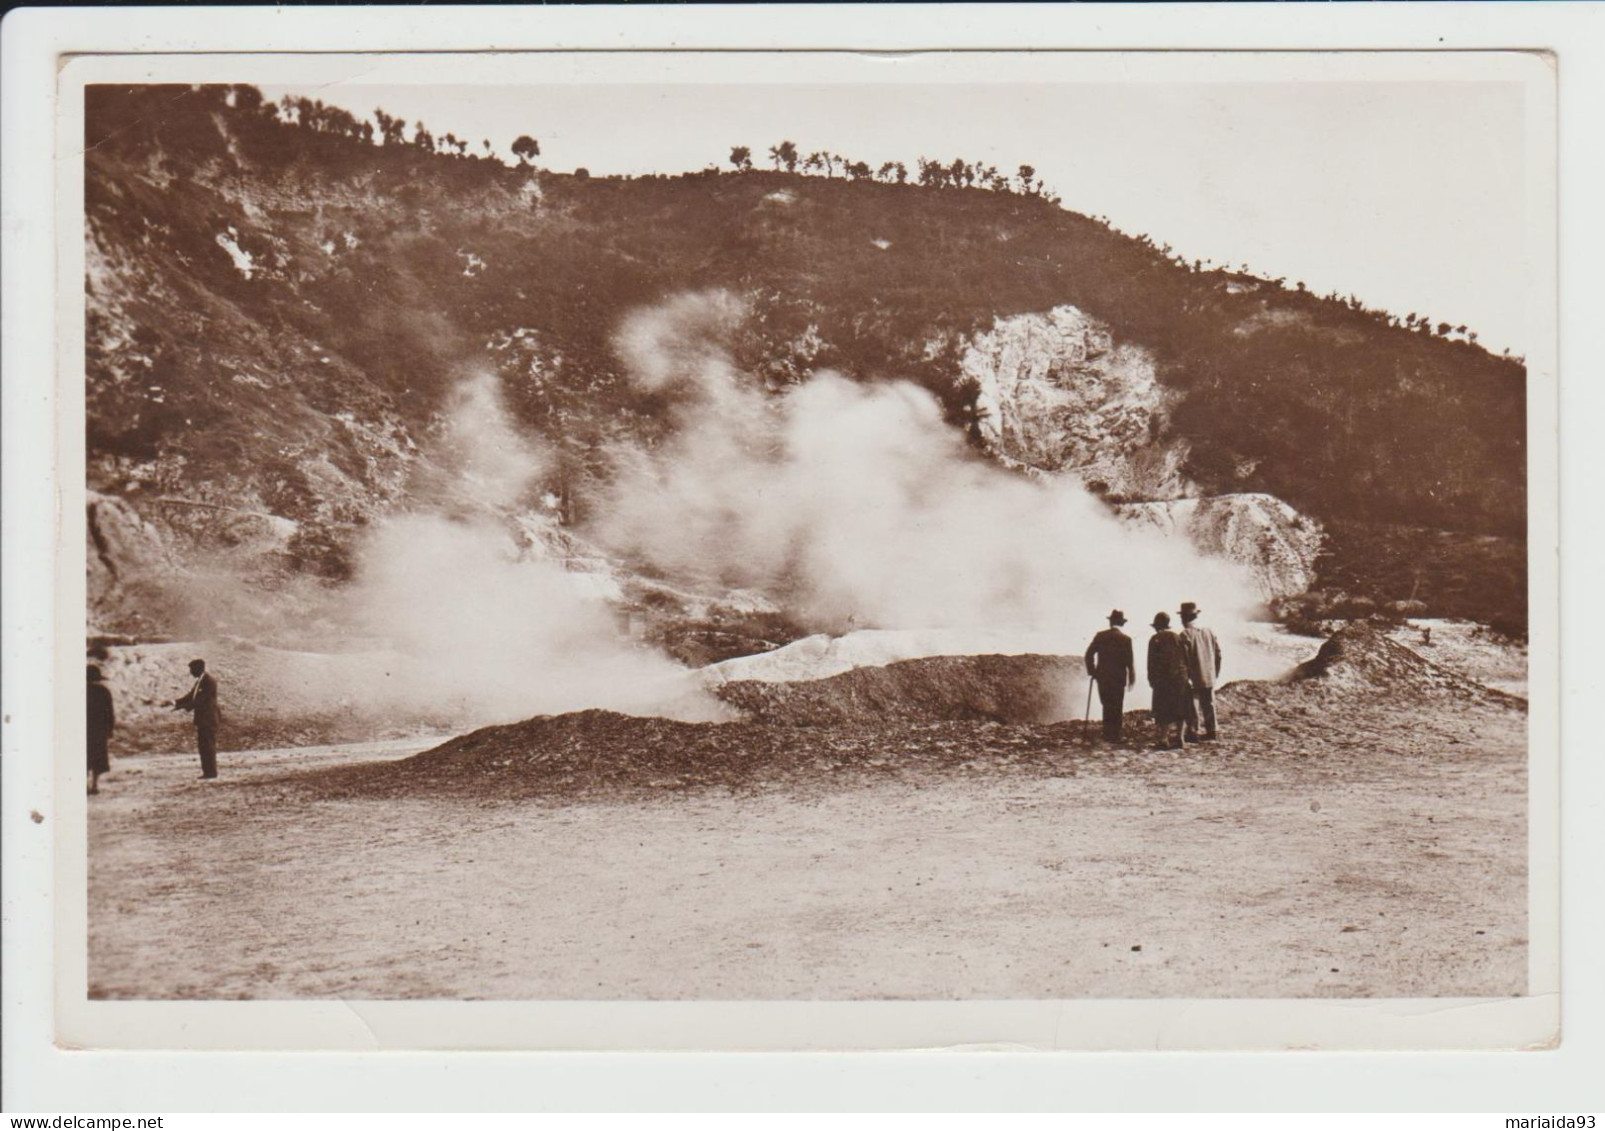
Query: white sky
x: 1408, y: 194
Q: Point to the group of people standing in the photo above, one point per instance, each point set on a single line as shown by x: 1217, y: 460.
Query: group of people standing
x: 1183, y: 667
x: 201, y: 702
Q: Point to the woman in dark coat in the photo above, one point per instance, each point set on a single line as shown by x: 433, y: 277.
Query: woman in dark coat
x: 102, y: 720
x: 1167, y: 675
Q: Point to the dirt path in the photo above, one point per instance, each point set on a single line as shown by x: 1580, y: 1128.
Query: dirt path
x: 1392, y: 866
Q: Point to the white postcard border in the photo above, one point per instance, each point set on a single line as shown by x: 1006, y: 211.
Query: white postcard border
x: 370, y: 1025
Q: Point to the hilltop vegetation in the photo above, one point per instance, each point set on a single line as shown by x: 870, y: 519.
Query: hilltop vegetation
x: 281, y: 298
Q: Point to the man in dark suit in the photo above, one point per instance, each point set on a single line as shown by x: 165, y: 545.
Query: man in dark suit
x: 1110, y: 662
x: 1167, y: 675
x: 202, y: 703
x: 102, y: 720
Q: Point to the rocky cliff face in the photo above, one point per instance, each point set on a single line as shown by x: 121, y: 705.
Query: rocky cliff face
x: 126, y: 557
x: 1277, y: 543
x: 1057, y: 393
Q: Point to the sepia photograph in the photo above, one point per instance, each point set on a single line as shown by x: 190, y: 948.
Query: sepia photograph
x: 1048, y: 529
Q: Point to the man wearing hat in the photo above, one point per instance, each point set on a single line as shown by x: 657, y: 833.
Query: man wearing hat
x: 1110, y: 662
x: 202, y: 703
x: 1203, y: 668
x: 102, y: 721
x: 1167, y: 675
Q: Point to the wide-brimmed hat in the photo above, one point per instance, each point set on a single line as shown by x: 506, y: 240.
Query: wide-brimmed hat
x: 1161, y: 620
x: 1117, y: 617
x: 1189, y: 609
x: 93, y: 673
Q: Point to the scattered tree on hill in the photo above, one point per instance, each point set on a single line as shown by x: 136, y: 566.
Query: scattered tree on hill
x: 311, y: 114
x: 784, y: 154
x: 932, y: 173
x: 741, y: 157
x: 422, y: 138
x: 392, y: 130
x: 526, y: 149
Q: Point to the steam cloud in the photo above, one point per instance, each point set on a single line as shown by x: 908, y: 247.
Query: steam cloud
x: 494, y: 461
x: 483, y: 624
x: 859, y: 506
x: 853, y: 505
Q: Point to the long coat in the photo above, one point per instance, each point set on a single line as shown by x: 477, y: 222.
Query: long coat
x: 1167, y: 675
x: 1109, y: 659
x: 102, y: 720
x: 202, y: 700
x: 1203, y: 655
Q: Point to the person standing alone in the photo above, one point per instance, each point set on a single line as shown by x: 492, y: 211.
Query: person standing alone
x: 1167, y: 675
x: 102, y: 721
x: 1111, y: 664
x: 1203, y: 668
x: 202, y: 703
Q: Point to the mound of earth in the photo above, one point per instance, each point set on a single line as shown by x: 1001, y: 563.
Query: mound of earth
x: 1361, y: 658
x: 1007, y: 689
x: 969, y: 716
x: 602, y: 754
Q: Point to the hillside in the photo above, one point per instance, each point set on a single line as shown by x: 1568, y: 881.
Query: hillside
x: 279, y: 316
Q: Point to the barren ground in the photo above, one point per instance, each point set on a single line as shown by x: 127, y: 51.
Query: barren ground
x: 1328, y: 847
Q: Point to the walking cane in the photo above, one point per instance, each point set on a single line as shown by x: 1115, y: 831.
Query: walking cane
x: 1089, y: 701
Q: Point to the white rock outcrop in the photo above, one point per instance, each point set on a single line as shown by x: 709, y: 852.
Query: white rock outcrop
x: 1059, y: 394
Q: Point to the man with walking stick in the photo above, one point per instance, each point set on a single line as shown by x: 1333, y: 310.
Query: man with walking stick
x: 1111, y: 665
